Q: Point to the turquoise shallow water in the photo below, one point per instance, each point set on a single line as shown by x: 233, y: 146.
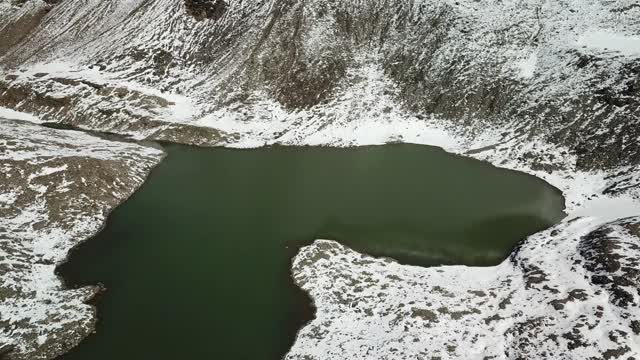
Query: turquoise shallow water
x: 196, y: 263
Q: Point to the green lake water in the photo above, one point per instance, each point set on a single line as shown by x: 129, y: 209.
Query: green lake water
x: 197, y: 263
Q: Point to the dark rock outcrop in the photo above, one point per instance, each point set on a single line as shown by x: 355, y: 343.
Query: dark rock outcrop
x: 206, y: 9
x: 612, y: 261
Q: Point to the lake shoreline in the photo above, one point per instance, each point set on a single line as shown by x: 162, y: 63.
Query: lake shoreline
x: 69, y: 222
x: 553, y: 180
x: 361, y: 154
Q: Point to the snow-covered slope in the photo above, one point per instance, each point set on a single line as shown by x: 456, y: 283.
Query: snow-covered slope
x: 549, y: 301
x: 56, y: 189
x: 533, y: 69
x: 548, y: 87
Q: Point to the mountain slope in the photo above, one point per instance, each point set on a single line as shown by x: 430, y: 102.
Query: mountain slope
x: 538, y: 69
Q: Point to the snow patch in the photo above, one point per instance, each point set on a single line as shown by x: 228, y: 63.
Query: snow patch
x: 18, y: 115
x: 45, y: 171
x: 527, y: 66
x: 608, y: 41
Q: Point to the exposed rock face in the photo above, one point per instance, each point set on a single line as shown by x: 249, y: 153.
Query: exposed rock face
x: 614, y: 262
x: 56, y: 189
x: 206, y: 9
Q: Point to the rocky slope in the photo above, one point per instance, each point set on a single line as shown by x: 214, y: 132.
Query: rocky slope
x: 551, y: 88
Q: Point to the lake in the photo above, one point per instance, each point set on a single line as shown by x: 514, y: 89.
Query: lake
x: 197, y: 262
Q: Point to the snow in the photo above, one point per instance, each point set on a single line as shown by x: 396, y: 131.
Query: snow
x: 527, y: 66
x: 608, y: 41
x: 166, y: 106
x: 361, y: 114
x: 607, y: 209
x: 45, y: 171
x: 18, y: 115
x: 8, y: 198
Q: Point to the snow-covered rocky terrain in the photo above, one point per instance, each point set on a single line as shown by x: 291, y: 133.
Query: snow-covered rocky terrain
x: 570, y: 292
x: 548, y: 301
x: 56, y: 189
x: 551, y: 88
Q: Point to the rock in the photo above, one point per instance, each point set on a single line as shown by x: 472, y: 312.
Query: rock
x: 206, y: 9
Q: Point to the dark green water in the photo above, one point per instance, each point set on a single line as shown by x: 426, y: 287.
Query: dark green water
x: 197, y: 262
